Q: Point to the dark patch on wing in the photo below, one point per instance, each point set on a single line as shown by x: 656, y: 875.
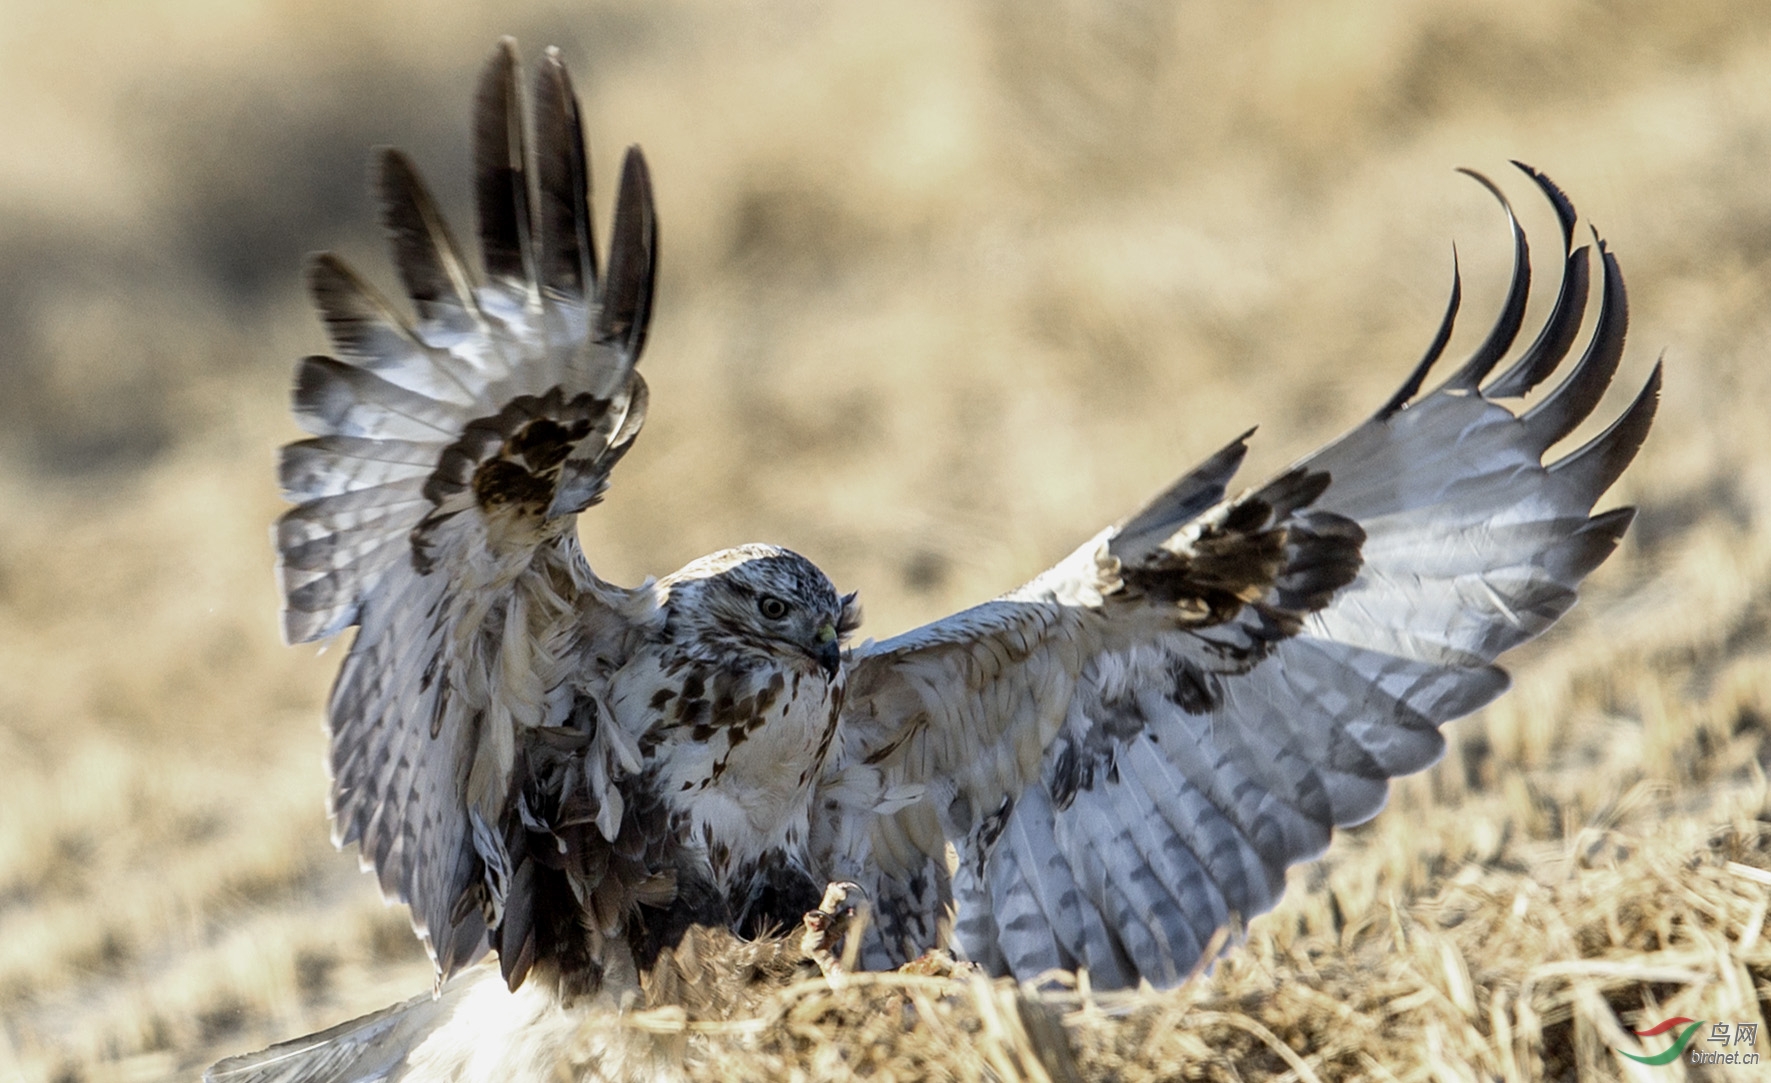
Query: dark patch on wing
x: 1070, y: 772
x: 544, y: 443
x: 989, y: 829
x: 526, y: 471
x: 1116, y: 720
x: 1267, y: 560
x: 502, y: 482
x: 516, y: 457
x: 1121, y: 716
x: 1191, y: 689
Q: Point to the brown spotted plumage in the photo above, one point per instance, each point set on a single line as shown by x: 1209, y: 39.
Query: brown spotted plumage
x: 602, y: 785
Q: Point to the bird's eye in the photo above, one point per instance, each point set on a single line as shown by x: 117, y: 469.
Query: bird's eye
x: 771, y: 607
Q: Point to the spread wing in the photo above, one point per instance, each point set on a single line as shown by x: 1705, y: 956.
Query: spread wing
x: 1132, y: 748
x: 435, y: 502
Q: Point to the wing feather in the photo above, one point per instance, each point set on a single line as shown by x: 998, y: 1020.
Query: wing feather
x: 1512, y: 310
x: 367, y: 331
x: 1052, y: 883
x: 335, y: 399
x: 568, y: 237
x: 1131, y: 749
x: 433, y: 510
x: 1018, y: 911
x: 501, y: 183
x: 1575, y: 398
x: 430, y: 264
x: 330, y: 466
x: 633, y: 259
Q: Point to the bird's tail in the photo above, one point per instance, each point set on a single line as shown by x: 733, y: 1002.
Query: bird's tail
x: 474, y: 1030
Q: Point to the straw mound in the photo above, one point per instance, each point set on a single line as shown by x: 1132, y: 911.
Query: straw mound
x: 1509, y: 972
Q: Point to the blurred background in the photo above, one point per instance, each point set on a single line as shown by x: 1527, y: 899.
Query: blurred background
x: 946, y: 287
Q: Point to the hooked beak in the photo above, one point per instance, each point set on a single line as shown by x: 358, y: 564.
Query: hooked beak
x: 830, y: 651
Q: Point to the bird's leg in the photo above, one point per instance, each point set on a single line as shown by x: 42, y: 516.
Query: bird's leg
x: 842, y: 914
x: 827, y: 926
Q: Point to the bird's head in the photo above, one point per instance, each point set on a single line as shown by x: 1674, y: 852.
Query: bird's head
x: 762, y: 599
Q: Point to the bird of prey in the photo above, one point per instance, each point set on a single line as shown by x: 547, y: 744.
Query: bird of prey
x: 1124, y: 754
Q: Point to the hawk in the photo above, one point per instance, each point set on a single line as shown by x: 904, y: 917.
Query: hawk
x: 1123, y: 755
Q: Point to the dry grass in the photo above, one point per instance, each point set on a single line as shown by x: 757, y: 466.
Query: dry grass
x: 1532, y: 964
x: 946, y: 288
x: 1496, y: 976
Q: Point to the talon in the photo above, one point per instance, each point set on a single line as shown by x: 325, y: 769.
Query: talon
x: 827, y: 927
x: 835, y: 895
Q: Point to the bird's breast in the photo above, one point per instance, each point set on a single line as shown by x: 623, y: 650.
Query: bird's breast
x: 733, y: 751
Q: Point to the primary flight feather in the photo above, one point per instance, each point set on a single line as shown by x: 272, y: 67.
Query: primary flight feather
x: 1125, y: 754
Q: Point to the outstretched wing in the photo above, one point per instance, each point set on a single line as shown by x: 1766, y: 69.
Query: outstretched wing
x: 436, y: 499
x: 1132, y: 748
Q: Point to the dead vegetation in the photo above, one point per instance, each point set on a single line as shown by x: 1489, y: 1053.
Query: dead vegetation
x: 1500, y: 988
x: 945, y: 290
x: 1497, y: 975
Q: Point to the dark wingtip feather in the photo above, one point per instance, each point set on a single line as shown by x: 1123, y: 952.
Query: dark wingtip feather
x: 568, y: 238
x: 1572, y: 400
x: 1552, y: 342
x: 633, y: 259
x: 361, y: 323
x: 423, y: 249
x: 1412, y: 385
x: 1512, y: 313
x: 1597, y: 464
x: 1194, y: 492
x: 1558, y: 199
x: 501, y: 186
x: 1558, y: 331
x: 333, y: 288
x: 321, y: 270
x: 325, y: 391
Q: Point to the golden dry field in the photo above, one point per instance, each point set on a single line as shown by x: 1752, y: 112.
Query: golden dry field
x: 947, y: 286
